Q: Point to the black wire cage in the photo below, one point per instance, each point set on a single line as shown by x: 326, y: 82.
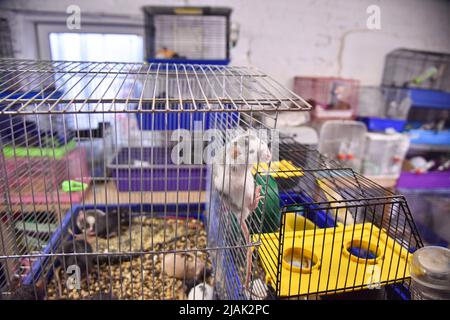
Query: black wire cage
x: 323, y: 232
x: 193, y: 34
x: 417, y: 69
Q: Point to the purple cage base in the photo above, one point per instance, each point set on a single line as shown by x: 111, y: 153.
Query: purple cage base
x: 429, y: 180
x: 161, y: 175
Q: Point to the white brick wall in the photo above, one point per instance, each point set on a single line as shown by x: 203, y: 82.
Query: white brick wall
x: 293, y: 37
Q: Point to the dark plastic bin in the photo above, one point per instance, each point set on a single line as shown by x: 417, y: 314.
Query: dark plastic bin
x: 160, y: 175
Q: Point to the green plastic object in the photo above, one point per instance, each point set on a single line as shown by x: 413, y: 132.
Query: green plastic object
x: 269, y: 214
x: 270, y: 211
x: 56, y: 153
x: 73, y: 186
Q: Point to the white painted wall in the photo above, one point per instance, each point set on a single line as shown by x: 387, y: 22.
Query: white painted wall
x: 290, y: 37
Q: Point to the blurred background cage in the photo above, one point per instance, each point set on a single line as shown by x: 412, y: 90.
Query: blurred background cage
x: 331, y: 97
x: 381, y: 108
x: 154, y: 227
x: 6, y: 47
x: 417, y: 69
x: 189, y: 34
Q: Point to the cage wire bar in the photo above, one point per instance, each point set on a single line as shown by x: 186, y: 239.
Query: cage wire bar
x: 89, y: 180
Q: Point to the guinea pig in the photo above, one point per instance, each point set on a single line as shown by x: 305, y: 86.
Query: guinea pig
x: 180, y: 267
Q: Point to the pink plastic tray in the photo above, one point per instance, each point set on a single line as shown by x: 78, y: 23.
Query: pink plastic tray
x: 38, y: 180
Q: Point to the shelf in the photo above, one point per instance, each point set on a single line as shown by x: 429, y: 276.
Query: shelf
x: 429, y: 147
x: 440, y: 140
x: 108, y: 193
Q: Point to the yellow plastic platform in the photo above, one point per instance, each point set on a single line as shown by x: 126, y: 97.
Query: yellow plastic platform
x: 279, y: 169
x: 333, y: 268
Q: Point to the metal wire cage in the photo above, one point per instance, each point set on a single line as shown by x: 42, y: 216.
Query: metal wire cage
x: 167, y: 219
x: 332, y: 98
x: 417, y: 69
x: 384, y: 102
x: 198, y: 34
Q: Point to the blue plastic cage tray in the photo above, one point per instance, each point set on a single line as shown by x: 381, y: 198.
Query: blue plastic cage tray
x: 198, y: 120
x: 430, y: 98
x: 174, y: 211
x: 430, y: 137
x: 381, y: 124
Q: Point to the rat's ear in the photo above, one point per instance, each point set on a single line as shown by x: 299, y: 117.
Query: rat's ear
x: 80, y: 217
x: 80, y: 221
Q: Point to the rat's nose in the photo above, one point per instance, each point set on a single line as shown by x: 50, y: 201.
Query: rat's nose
x: 268, y: 156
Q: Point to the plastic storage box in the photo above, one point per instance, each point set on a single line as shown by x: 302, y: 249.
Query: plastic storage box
x: 343, y: 140
x: 332, y: 98
x: 384, y: 154
x: 151, y: 169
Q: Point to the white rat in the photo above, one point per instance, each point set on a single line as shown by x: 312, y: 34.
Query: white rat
x: 232, y: 177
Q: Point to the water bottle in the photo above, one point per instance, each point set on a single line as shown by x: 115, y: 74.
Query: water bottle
x: 430, y: 274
